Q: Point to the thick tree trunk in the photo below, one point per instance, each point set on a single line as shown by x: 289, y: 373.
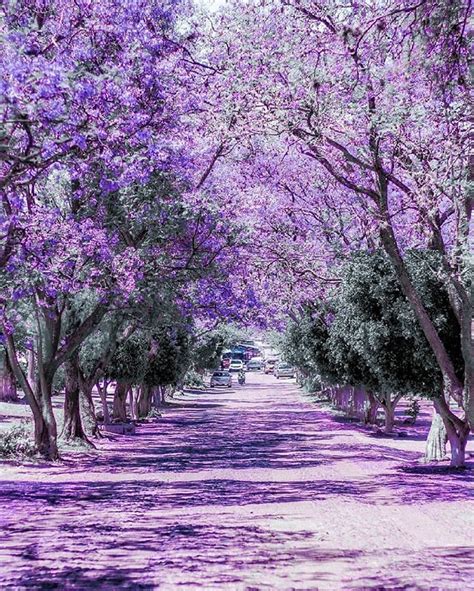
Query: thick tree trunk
x: 133, y: 394
x: 389, y: 418
x: 46, y: 432
x: 436, y: 442
x: 39, y: 399
x: 457, y: 442
x: 162, y: 394
x: 73, y: 428
x: 156, y: 396
x: 89, y: 417
x: 102, y: 389
x: 389, y: 410
x: 389, y: 405
x: 120, y: 401
x: 371, y: 410
x: 144, y: 401
x: 457, y: 431
x: 8, y: 390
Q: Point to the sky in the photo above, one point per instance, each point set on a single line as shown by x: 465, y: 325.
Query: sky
x: 210, y: 4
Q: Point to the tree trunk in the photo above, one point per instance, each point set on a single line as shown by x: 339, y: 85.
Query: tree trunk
x: 103, y: 398
x: 371, y: 410
x: 457, y: 442
x: 73, y: 428
x: 46, y: 431
x: 389, y: 417
x: 133, y: 402
x: 162, y: 394
x: 120, y: 401
x: 89, y: 418
x: 144, y: 401
x: 8, y: 391
x: 436, y: 442
x: 31, y: 370
x: 39, y: 399
x: 389, y: 405
x: 156, y: 396
x: 457, y: 431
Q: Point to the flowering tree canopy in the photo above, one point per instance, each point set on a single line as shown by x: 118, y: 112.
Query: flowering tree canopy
x: 362, y: 106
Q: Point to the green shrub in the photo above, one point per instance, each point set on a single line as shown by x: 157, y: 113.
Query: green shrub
x: 193, y: 379
x: 17, y: 441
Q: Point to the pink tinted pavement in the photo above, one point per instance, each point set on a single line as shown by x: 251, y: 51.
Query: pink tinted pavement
x: 245, y: 489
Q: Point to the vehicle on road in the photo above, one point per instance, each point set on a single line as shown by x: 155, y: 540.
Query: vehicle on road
x: 236, y: 365
x: 221, y: 378
x: 254, y: 364
x: 270, y: 365
x: 226, y: 358
x: 284, y: 370
x: 241, y: 377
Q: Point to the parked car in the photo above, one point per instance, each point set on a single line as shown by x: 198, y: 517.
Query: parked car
x: 236, y: 365
x: 221, y: 378
x: 284, y: 370
x: 254, y: 365
x: 270, y: 365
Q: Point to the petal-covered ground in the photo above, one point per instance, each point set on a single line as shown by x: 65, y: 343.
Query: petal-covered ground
x: 245, y: 489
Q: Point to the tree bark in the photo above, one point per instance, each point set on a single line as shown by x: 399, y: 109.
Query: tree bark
x: 457, y: 443
x: 8, y: 390
x: 156, y: 396
x: 372, y: 408
x: 436, y: 442
x: 120, y: 401
x: 389, y: 405
x: 31, y: 371
x: 102, y: 389
x: 457, y: 431
x: 133, y: 394
x: 89, y: 417
x: 42, y: 438
x: 144, y: 401
x: 73, y: 428
x: 389, y: 417
x: 46, y: 431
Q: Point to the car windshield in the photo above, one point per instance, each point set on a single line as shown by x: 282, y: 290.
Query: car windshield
x: 220, y: 374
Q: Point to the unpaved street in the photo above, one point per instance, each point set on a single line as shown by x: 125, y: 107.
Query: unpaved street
x: 244, y: 489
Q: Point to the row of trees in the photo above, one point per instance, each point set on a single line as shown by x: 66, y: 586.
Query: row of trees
x: 146, y: 145
x: 112, y: 262
x: 367, y: 336
x: 347, y: 123
x: 143, y: 333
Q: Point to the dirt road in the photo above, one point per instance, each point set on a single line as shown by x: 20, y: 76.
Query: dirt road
x: 244, y: 489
